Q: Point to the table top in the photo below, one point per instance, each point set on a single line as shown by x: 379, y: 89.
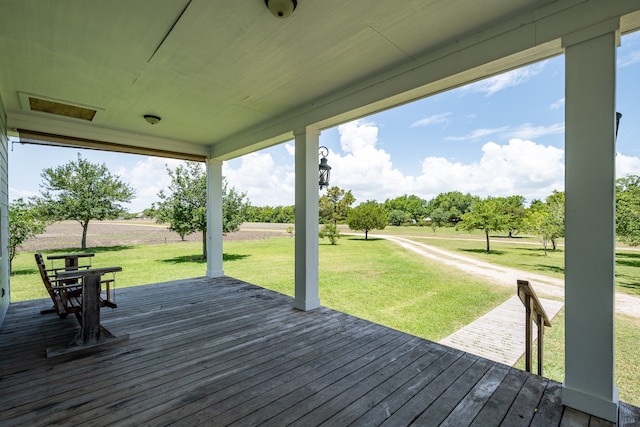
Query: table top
x: 80, y: 273
x: 67, y: 256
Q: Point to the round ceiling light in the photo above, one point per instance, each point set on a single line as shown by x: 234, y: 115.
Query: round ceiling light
x: 281, y: 8
x: 151, y: 119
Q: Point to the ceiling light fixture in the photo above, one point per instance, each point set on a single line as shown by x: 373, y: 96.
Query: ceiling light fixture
x: 151, y: 119
x: 281, y: 8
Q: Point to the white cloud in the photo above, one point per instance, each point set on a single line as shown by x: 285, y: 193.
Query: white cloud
x: 557, y: 105
x: 365, y: 169
x: 15, y: 193
x: 627, y: 165
x: 477, y: 134
x: 520, y: 167
x: 523, y: 131
x: 495, y: 84
x: 148, y: 177
x: 629, y: 59
x: 264, y: 182
x: 431, y: 120
x: 528, y: 131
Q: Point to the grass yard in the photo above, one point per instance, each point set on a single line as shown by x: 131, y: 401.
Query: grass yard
x: 373, y: 279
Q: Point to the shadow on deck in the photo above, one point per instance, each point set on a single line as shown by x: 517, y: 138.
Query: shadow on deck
x: 222, y: 351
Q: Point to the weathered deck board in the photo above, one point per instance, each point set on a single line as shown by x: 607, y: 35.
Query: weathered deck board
x: 224, y: 352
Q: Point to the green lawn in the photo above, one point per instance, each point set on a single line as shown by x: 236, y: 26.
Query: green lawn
x: 373, y: 279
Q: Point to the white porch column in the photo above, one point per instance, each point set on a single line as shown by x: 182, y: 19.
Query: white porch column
x: 214, y: 218
x: 589, y: 383
x: 306, y: 234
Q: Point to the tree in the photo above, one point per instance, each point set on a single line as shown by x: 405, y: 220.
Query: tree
x: 437, y: 219
x: 331, y: 232
x: 546, y: 219
x: 234, y: 209
x: 515, y: 213
x: 397, y: 217
x: 555, y: 202
x: 367, y: 216
x: 185, y: 207
x: 628, y: 209
x: 335, y: 205
x: 82, y: 191
x: 24, y: 223
x: 487, y: 215
x: 413, y: 206
x: 454, y: 203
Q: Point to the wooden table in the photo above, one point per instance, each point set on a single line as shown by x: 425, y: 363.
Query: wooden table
x: 70, y: 260
x: 91, y: 331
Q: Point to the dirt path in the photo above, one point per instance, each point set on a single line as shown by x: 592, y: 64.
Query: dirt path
x: 544, y: 286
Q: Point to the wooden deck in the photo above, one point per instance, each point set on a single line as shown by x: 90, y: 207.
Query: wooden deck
x: 224, y: 352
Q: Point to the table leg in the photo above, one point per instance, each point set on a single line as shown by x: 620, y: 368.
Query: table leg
x: 91, y: 308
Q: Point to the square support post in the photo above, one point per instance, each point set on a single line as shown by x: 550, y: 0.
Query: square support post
x: 589, y: 383
x: 214, y: 218
x: 306, y: 235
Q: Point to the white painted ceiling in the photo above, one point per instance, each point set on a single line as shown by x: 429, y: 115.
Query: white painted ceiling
x: 227, y: 77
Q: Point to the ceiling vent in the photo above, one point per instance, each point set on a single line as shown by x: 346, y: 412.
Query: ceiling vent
x: 57, y: 107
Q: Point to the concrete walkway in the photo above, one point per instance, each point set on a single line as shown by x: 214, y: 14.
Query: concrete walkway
x: 499, y: 335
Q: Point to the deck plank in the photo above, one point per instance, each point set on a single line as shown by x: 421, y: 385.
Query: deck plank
x: 221, y: 351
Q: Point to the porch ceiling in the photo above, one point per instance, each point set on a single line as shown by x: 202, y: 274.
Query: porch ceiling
x: 228, y: 77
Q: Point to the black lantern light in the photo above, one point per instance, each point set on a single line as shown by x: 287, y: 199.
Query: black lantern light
x: 325, y: 169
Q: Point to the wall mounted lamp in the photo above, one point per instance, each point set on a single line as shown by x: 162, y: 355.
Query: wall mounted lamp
x: 324, y: 168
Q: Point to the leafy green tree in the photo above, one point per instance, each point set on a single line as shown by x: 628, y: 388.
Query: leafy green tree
x: 555, y: 202
x: 397, y: 217
x: 234, y: 209
x: 487, y: 215
x: 515, y: 214
x: 24, y: 223
x: 277, y: 214
x: 546, y: 219
x: 454, y: 203
x: 335, y: 205
x: 413, y: 206
x: 628, y: 209
x: 331, y: 232
x: 367, y: 216
x: 437, y: 219
x: 184, y: 207
x: 82, y: 191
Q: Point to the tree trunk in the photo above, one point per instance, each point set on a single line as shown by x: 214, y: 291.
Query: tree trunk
x: 85, y: 226
x: 204, y: 245
x: 486, y: 233
x: 366, y: 234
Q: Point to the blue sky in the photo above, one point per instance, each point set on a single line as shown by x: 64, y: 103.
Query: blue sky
x: 500, y: 136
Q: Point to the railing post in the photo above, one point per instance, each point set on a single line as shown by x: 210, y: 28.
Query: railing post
x: 528, y: 332
x: 540, y: 323
x: 534, y: 312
